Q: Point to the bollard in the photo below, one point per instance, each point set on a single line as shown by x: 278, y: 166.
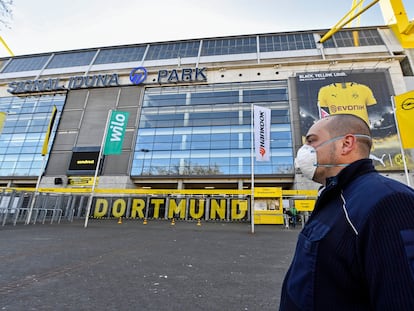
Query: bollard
x: 145, y: 221
x: 120, y: 220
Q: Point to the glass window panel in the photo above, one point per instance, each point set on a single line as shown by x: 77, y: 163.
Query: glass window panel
x: 229, y: 46
x: 72, y: 59
x: 169, y: 123
x: 162, y: 138
x: 8, y: 164
x: 26, y: 63
x: 154, y: 100
x: 279, y: 135
x: 120, y: 55
x: 266, y: 95
x: 238, y: 168
x: 161, y: 146
x: 6, y: 171
x: 22, y: 164
x: 369, y: 37
x: 42, y: 108
x: 27, y: 149
x: 221, y: 162
x: 37, y: 165
x: 201, y: 145
x: 345, y: 38
x: 286, y: 42
x: 223, y: 118
x: 160, y: 162
x: 33, y: 172
x: 28, y: 107
x: 173, y: 50
x: 330, y: 43
x: 228, y: 97
x: 200, y: 137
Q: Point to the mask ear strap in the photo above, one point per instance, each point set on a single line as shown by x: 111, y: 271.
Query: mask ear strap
x: 331, y: 165
x: 363, y: 136
x: 329, y: 141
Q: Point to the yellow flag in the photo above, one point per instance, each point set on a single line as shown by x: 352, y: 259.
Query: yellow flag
x: 405, y: 116
x: 49, y: 131
x: 3, y: 116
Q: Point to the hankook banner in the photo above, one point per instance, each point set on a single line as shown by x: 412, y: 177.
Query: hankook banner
x: 262, y: 133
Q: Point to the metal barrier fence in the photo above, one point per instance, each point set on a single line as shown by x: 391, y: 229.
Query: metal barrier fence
x: 15, y: 207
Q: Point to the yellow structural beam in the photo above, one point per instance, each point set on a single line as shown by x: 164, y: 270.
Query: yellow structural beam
x: 394, y: 12
x: 6, y: 46
x: 394, y: 15
x: 271, y: 191
x: 396, y: 18
x: 349, y: 17
x: 358, y: 6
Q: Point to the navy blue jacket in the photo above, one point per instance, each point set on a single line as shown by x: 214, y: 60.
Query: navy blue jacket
x: 356, y: 252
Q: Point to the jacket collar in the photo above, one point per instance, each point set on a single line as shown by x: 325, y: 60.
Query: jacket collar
x: 349, y: 173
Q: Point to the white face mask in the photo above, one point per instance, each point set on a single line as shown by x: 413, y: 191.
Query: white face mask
x: 307, y: 160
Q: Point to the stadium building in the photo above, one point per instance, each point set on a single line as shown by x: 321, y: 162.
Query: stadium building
x: 188, y: 105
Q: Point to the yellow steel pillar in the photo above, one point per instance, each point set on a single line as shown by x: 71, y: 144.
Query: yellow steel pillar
x: 349, y: 17
x: 396, y: 17
x: 6, y: 46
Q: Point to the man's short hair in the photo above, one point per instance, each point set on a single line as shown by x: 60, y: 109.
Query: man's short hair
x: 342, y: 124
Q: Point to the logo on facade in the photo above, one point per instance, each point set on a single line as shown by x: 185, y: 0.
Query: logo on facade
x: 408, y: 104
x: 138, y: 75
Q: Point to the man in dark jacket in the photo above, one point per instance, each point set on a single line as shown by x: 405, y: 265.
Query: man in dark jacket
x: 356, y: 252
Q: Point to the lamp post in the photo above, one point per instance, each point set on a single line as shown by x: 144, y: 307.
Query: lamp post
x: 143, y: 160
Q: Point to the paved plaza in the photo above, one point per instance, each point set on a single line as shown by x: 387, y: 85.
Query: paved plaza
x: 135, y: 266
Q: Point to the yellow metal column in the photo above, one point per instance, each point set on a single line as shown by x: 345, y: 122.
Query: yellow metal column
x: 6, y: 46
x: 396, y: 17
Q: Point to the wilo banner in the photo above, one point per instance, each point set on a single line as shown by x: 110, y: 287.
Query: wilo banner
x: 115, y: 132
x: 262, y: 133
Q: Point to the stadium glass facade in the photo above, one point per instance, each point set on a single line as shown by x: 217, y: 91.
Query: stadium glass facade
x: 206, y: 130
x: 23, y: 133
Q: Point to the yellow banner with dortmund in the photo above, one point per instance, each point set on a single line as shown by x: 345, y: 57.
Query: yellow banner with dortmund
x: 404, y: 105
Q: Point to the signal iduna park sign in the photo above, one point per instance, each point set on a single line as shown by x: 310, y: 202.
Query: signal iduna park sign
x: 56, y: 85
x: 137, y: 76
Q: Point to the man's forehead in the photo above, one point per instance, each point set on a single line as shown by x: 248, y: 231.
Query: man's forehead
x: 319, y: 127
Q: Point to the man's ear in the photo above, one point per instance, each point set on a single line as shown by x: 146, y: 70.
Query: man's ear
x: 349, y: 143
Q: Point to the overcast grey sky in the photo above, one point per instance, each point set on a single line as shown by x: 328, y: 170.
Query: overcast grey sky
x: 51, y: 25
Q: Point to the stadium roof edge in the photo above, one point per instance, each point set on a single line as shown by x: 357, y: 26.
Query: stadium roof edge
x: 184, y: 40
